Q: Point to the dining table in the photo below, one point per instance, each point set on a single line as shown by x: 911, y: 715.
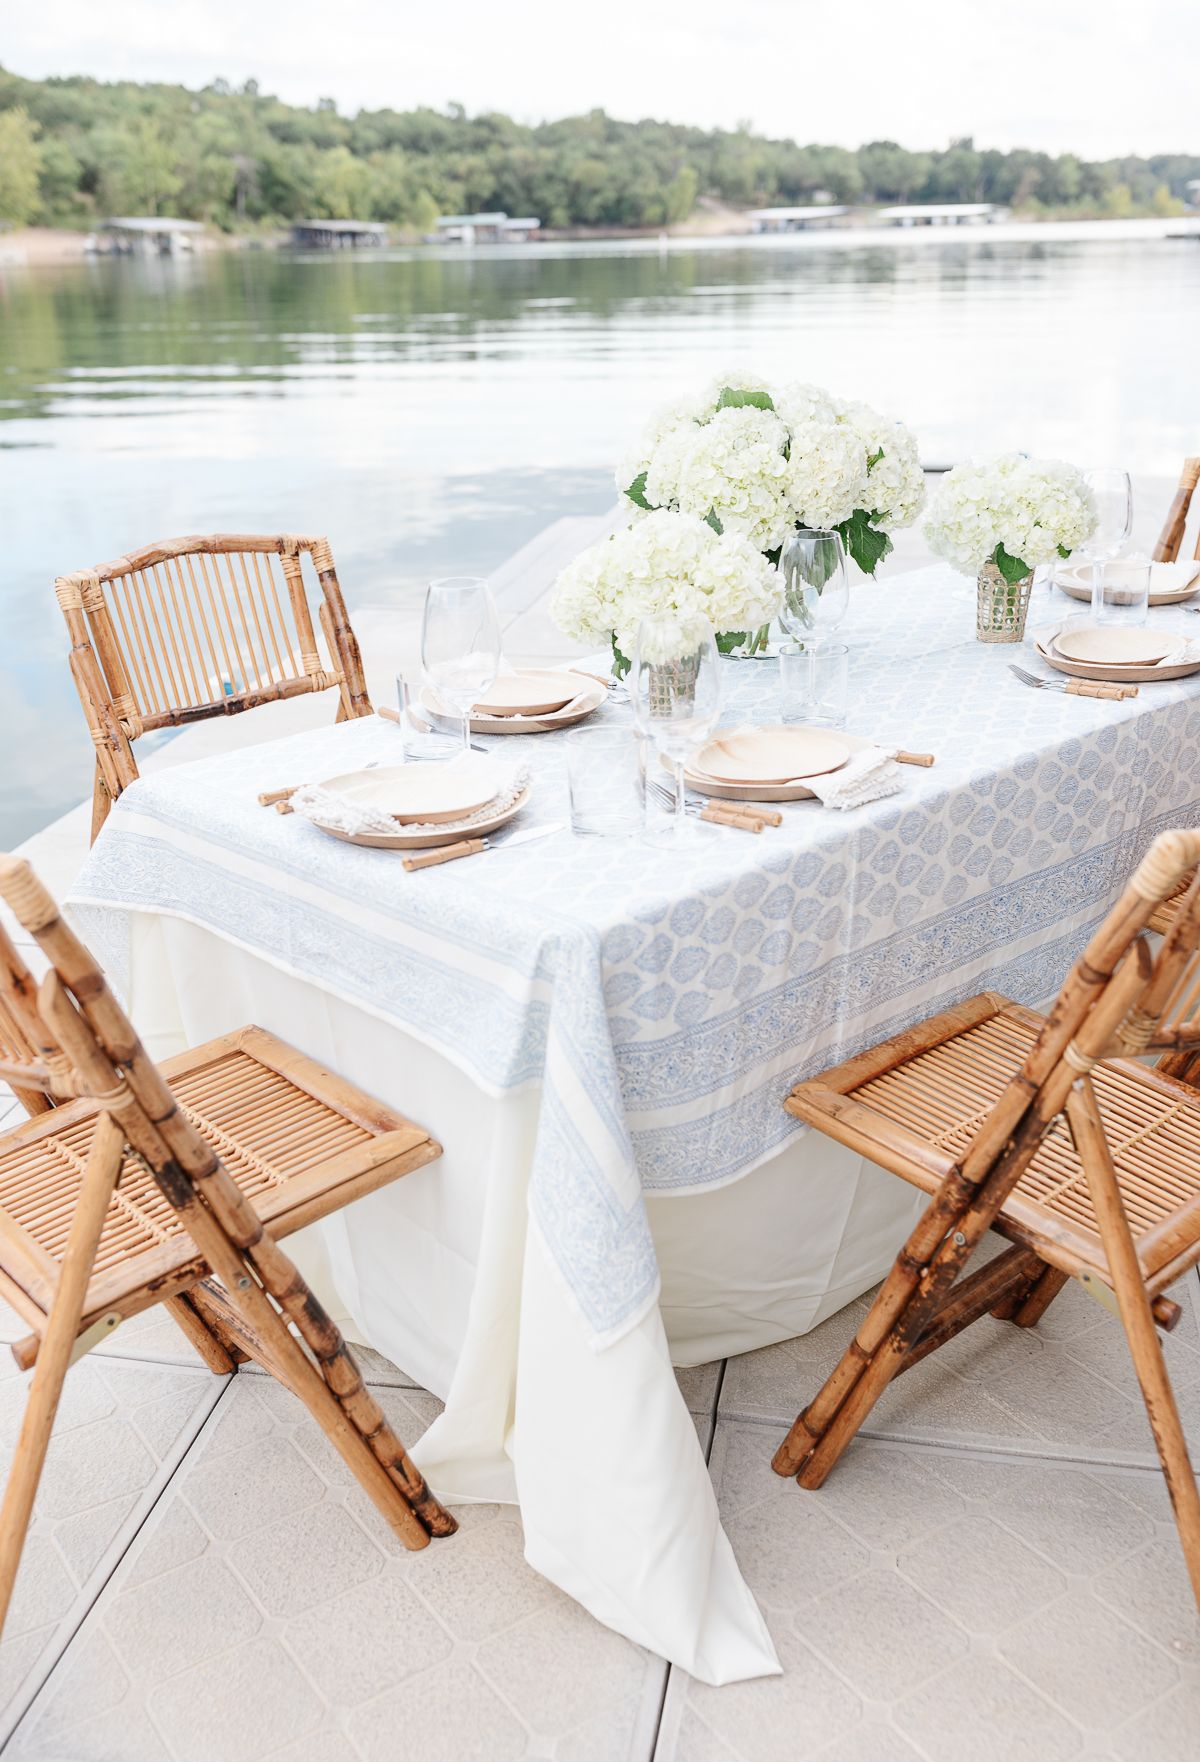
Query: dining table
x: 601, y: 1032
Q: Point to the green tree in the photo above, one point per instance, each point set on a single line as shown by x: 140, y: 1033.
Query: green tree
x: 58, y: 178
x: 138, y: 169
x: 341, y: 187
x: 681, y: 194
x: 20, y: 164
x: 1164, y: 203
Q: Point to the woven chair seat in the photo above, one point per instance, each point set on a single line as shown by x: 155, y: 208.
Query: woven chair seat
x: 1152, y: 1122
x: 298, y: 1141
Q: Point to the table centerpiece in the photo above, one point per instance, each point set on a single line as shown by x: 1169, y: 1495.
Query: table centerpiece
x: 998, y: 519
x: 667, y: 567
x: 765, y: 461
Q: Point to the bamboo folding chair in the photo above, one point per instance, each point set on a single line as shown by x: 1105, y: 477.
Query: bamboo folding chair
x: 175, y: 633
x: 133, y: 1186
x: 1050, y: 1131
x: 1171, y: 536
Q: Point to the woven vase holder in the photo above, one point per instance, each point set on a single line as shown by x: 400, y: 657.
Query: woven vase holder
x: 1001, y: 608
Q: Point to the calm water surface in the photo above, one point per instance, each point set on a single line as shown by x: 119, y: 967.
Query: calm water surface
x: 430, y: 412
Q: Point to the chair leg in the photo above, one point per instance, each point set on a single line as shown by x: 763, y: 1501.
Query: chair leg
x: 1041, y: 1295
x: 62, y: 1327
x: 938, y: 1247
x: 205, y: 1339
x: 1137, y: 1319
x: 362, y: 1436
x: 101, y: 802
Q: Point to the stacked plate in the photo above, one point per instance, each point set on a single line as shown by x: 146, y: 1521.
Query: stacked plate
x: 430, y: 804
x: 769, y: 763
x: 1170, y: 583
x: 528, y: 700
x: 1120, y: 653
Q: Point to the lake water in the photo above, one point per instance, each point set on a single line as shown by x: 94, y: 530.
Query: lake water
x: 431, y: 411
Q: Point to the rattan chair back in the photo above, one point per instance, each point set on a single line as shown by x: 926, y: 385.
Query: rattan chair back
x: 198, y: 627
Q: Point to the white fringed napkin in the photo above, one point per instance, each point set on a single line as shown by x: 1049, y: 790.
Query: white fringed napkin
x: 341, y: 813
x: 868, y: 775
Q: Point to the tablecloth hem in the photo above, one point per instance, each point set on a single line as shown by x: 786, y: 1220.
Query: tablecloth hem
x: 759, y: 1658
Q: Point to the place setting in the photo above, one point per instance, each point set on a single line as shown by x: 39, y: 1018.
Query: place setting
x: 1117, y: 644
x: 441, y: 812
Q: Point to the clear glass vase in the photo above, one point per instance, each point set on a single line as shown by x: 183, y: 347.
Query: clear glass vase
x: 1001, y: 606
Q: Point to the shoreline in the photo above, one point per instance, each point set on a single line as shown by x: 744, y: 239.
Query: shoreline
x: 36, y: 247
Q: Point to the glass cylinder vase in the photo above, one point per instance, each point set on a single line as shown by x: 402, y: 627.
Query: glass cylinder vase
x: 1001, y: 606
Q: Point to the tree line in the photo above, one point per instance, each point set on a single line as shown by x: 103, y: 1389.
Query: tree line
x: 75, y: 150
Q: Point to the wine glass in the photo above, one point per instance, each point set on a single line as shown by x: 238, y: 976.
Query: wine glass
x: 460, y: 643
x: 816, y: 593
x: 1112, y: 493
x: 675, y: 693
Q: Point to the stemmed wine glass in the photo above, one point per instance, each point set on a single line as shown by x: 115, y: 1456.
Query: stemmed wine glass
x: 460, y: 643
x: 1112, y: 493
x: 675, y: 693
x: 816, y: 593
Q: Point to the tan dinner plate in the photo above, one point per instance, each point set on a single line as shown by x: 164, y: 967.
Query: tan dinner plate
x: 765, y: 792
x: 1125, y: 675
x: 590, y: 692
x: 424, y: 793
x: 1116, y: 645
x: 400, y: 840
x: 1170, y: 583
x: 530, y: 692
x: 771, y: 755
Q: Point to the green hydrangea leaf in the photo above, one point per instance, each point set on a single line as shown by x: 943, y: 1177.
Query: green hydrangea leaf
x: 864, y: 542
x: 1013, y: 569
x: 637, y: 493
x: 873, y: 459
x: 732, y: 399
x: 1064, y: 550
x: 712, y: 520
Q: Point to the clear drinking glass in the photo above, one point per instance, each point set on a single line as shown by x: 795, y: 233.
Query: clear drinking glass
x: 421, y: 739
x: 675, y: 694
x: 460, y: 643
x: 605, y: 782
x: 814, y: 683
x: 1112, y: 493
x: 816, y: 593
x: 1123, y: 596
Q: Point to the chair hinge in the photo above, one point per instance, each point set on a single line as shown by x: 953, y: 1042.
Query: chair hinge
x: 100, y: 1329
x: 1100, y: 1292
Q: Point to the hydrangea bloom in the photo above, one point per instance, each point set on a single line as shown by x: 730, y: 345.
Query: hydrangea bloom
x: 1033, y: 510
x: 665, y: 566
x: 762, y: 460
x: 828, y: 474
x: 895, y: 492
x: 736, y: 465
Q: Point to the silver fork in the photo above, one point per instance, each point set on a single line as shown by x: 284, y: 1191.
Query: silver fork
x: 663, y: 793
x: 1074, y: 687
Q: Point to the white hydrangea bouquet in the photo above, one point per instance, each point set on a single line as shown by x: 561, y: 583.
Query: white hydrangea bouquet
x: 998, y: 520
x: 1012, y: 511
x: 763, y: 461
x: 666, y: 566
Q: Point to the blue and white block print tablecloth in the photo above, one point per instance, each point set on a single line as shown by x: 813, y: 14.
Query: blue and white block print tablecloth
x: 666, y: 1002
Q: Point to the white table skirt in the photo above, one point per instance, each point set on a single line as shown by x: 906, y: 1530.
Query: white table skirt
x: 439, y: 1272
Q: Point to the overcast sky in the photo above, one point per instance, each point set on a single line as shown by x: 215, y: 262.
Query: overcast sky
x: 1099, y: 77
